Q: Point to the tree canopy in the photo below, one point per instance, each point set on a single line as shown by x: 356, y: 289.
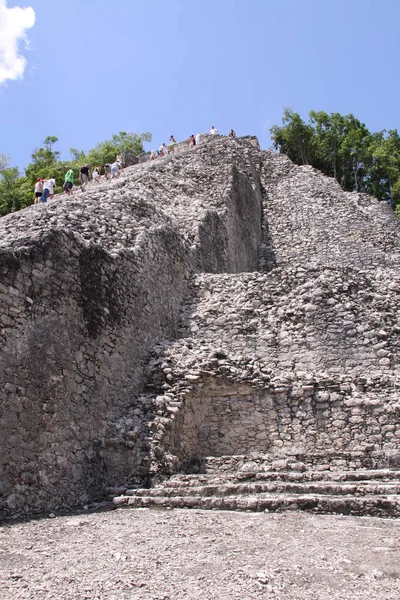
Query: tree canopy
x: 16, y: 189
x: 342, y: 147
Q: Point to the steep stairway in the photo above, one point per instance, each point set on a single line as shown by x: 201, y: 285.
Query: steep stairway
x: 319, y: 488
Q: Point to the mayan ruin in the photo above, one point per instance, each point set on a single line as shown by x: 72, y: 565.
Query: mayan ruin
x: 215, y: 329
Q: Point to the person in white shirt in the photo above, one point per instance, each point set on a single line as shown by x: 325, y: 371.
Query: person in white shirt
x: 96, y: 174
x: 38, y: 190
x: 213, y: 131
x: 121, y: 160
x: 198, y: 139
x: 48, y: 189
x: 172, y: 144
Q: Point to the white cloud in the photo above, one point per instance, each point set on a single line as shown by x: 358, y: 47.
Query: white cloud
x: 13, y: 25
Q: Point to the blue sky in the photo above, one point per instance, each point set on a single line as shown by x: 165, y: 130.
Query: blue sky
x: 96, y: 67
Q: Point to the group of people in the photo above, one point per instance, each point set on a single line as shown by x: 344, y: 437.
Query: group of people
x: 194, y: 140
x: 44, y: 188
x: 111, y: 171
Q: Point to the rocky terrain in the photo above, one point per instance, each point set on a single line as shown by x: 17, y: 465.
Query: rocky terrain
x: 207, y: 555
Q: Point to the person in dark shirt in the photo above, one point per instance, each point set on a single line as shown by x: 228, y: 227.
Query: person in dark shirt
x: 84, y: 175
x: 192, y: 141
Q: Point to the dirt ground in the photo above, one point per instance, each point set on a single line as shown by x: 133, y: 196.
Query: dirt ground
x: 191, y: 554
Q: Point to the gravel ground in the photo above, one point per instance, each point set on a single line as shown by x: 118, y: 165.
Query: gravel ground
x: 207, y: 555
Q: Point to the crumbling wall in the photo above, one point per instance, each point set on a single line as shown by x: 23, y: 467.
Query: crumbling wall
x: 305, y: 354
x: 229, y: 241
x: 221, y: 417
x: 88, y: 285
x: 76, y: 325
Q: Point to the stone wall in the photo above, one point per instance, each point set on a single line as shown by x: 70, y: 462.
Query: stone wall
x: 316, y: 337
x: 88, y: 286
x: 230, y: 241
x: 222, y: 417
x: 312, y: 222
x: 213, y: 192
x: 76, y: 325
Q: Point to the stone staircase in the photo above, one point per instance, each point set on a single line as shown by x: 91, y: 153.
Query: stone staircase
x: 323, y: 488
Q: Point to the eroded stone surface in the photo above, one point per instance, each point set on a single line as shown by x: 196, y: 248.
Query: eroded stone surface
x: 221, y: 301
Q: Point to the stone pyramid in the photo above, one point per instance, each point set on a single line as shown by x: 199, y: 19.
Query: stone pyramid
x: 218, y: 329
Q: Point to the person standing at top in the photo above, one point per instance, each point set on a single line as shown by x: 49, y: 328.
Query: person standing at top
x: 69, y: 182
x: 232, y: 134
x: 213, y: 131
x: 192, y: 141
x: 84, y: 176
x: 38, y: 189
x: 48, y: 189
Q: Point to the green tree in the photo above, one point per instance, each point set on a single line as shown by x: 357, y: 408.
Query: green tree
x: 122, y: 142
x: 130, y: 142
x: 4, y: 160
x: 10, y: 190
x: 342, y: 147
x: 340, y: 143
x: 384, y: 166
x: 77, y: 155
x: 45, y: 156
x: 295, y: 138
x: 45, y: 163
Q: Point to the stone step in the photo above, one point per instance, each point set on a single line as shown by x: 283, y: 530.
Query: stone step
x: 317, y: 461
x: 360, y: 492
x: 383, y: 506
x: 332, y: 488
x: 293, y: 476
